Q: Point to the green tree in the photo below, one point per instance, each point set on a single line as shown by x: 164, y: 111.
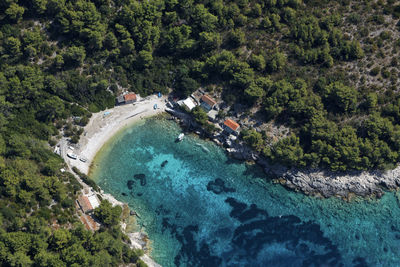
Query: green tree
x: 178, y: 38
x: 19, y: 259
x: 15, y: 12
x: 289, y: 151
x: 254, y: 139
x: 203, y: 19
x: 48, y: 259
x: 145, y: 58
x: 209, y: 40
x: 61, y: 239
x: 276, y: 61
x: 257, y: 62
x: 74, y: 55
x: 340, y: 98
x: 236, y: 38
x: 108, y: 214
x: 13, y: 46
x: 200, y: 116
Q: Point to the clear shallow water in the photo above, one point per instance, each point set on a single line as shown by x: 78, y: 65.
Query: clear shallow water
x: 201, y: 208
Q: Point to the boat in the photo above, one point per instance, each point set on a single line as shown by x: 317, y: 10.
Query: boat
x: 155, y: 106
x: 72, y: 155
x: 180, y: 137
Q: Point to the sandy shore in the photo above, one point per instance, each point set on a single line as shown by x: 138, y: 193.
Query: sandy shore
x: 105, y: 124
x: 101, y: 127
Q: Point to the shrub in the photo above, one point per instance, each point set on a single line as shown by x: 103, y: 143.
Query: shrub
x: 86, y: 179
x: 375, y: 71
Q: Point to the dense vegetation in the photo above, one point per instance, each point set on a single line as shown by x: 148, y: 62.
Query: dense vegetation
x: 326, y: 70
x: 37, y: 214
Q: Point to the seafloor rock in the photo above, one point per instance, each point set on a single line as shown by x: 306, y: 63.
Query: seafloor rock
x: 164, y: 163
x: 130, y: 184
x: 218, y: 186
x: 141, y: 177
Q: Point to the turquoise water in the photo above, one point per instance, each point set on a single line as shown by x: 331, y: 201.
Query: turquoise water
x: 201, y: 208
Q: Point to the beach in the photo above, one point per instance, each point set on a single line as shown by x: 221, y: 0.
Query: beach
x: 101, y: 128
x: 105, y: 124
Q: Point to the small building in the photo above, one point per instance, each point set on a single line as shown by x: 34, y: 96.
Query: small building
x: 207, y: 102
x: 130, y: 98
x: 230, y: 126
x: 84, y: 204
x: 94, y: 201
x: 88, y: 204
x: 120, y: 100
x: 212, y: 115
x: 187, y: 103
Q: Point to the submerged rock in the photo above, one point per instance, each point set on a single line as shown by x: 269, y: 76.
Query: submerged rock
x: 141, y: 177
x: 130, y: 184
x: 164, y: 163
x: 124, y: 194
x: 218, y: 186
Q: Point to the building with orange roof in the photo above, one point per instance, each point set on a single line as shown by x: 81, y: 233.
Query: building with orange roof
x: 231, y: 126
x: 126, y: 99
x: 88, y: 203
x: 207, y: 102
x: 84, y: 204
x: 130, y: 98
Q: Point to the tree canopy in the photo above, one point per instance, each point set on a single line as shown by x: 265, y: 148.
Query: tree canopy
x: 312, y: 66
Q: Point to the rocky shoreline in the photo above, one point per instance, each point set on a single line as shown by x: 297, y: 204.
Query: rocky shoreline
x: 315, y: 182
x: 324, y: 183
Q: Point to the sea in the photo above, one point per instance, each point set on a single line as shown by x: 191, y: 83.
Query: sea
x: 200, y: 207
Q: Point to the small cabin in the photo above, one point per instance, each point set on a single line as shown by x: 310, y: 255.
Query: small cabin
x: 231, y: 126
x: 88, y: 203
x: 187, y: 103
x: 120, y: 100
x: 207, y: 102
x: 130, y: 98
x: 126, y: 99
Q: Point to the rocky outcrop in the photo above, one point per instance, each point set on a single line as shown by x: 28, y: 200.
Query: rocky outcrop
x: 329, y: 183
x: 320, y: 182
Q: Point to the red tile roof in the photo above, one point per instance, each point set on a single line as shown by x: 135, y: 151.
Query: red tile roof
x: 231, y: 124
x: 89, y: 223
x: 130, y: 97
x: 85, y: 203
x: 207, y: 99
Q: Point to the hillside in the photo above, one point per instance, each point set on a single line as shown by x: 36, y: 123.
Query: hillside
x: 325, y: 70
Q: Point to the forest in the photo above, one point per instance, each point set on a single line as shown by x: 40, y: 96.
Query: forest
x: 326, y: 70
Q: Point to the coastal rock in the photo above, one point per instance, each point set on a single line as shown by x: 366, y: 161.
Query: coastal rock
x: 339, y: 184
x: 328, y: 183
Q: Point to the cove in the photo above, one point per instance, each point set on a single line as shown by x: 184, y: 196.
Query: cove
x: 202, y: 208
